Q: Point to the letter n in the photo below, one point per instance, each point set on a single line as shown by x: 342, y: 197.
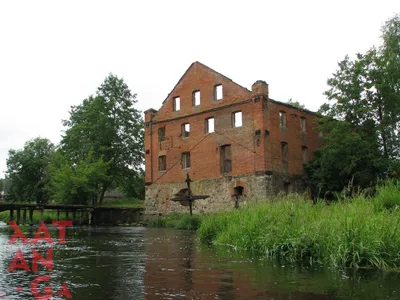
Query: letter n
x: 36, y: 257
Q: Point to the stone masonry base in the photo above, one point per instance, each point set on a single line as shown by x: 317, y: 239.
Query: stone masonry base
x: 255, y: 188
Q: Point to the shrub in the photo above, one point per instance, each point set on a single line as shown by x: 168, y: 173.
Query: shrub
x: 387, y: 196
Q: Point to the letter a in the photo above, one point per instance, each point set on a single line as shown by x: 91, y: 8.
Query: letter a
x: 22, y: 265
x: 42, y: 229
x: 17, y: 234
x: 64, y: 292
x: 36, y: 257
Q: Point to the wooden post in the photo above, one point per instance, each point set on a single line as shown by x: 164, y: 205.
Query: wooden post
x: 93, y: 217
x: 24, y: 216
x: 41, y: 214
x: 189, y: 192
x: 58, y: 214
x: 81, y: 218
x: 11, y: 214
x: 90, y: 217
x: 18, y: 215
x: 31, y: 217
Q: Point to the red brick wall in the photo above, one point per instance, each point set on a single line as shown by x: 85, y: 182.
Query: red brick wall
x: 250, y: 153
x: 292, y: 135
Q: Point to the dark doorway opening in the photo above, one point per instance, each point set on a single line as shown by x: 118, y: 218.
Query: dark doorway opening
x: 237, y: 195
x: 286, y: 187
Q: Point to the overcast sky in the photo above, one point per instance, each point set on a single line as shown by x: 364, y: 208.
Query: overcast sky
x: 53, y: 54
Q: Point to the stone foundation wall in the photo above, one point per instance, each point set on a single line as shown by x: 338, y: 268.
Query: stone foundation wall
x: 255, y: 188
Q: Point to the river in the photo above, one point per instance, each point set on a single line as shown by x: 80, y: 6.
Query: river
x: 147, y: 263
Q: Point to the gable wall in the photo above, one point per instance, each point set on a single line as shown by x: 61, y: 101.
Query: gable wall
x: 199, y: 77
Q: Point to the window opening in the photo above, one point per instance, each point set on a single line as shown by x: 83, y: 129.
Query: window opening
x: 177, y: 103
x: 185, y: 130
x: 303, y: 124
x: 305, y: 154
x: 162, y: 163
x: 237, y: 119
x: 218, y: 92
x: 185, y: 160
x: 161, y: 134
x: 284, y: 154
x: 196, y: 98
x: 282, y: 119
x: 226, y: 159
x: 209, y: 125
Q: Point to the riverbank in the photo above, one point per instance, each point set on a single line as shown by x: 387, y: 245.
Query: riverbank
x: 51, y: 215
x: 356, y: 232
x: 177, y: 221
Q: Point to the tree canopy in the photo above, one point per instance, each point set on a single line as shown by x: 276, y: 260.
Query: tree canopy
x: 76, y: 183
x: 27, y: 171
x: 362, y: 119
x: 107, y: 127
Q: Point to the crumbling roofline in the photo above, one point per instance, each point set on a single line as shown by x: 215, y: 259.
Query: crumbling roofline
x: 294, y: 107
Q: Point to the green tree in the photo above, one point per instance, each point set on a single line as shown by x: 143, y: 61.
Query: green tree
x: 108, y: 126
x: 367, y: 89
x: 27, y: 171
x: 134, y: 186
x: 348, y: 154
x: 76, y: 183
x: 296, y: 104
x: 362, y: 124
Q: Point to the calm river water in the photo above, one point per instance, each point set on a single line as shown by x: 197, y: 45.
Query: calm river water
x: 145, y: 263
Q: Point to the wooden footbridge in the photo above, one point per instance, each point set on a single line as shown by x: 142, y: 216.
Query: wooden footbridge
x: 77, y: 213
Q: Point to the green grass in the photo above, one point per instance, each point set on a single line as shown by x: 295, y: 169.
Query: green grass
x: 357, y: 232
x: 178, y: 221
x: 48, y: 216
x: 125, y: 202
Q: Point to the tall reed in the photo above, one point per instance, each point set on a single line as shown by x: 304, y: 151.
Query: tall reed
x: 357, y: 232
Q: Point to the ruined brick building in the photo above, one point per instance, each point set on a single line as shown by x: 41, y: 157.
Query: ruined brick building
x: 234, y: 143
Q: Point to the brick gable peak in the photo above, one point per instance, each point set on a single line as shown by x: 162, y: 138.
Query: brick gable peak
x: 197, y: 63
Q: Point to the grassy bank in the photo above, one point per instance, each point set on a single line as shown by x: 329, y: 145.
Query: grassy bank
x: 177, y: 221
x: 356, y: 232
x: 48, y: 216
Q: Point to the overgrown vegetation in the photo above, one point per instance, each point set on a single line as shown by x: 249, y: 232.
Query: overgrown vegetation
x: 355, y: 232
x: 178, y: 221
